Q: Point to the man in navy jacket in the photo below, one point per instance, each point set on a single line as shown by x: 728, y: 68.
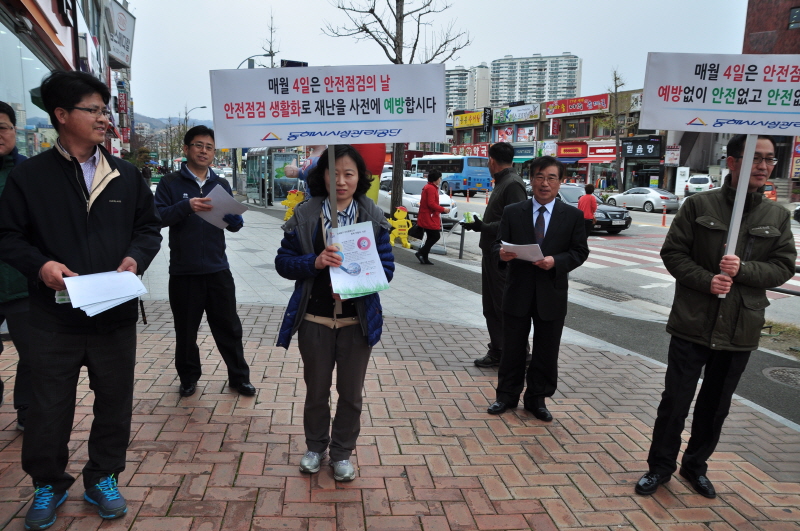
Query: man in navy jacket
x: 200, y: 277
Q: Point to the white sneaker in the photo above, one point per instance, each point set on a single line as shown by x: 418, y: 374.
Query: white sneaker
x: 343, y: 470
x: 310, y: 462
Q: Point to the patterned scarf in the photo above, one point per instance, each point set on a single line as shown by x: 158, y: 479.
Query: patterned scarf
x: 346, y: 217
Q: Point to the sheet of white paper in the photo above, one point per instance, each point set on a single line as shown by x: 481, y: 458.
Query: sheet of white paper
x: 101, y: 287
x: 93, y: 309
x: 361, y: 272
x: 531, y: 252
x: 223, y: 204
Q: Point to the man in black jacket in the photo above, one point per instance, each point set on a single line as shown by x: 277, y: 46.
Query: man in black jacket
x: 508, y: 189
x: 537, y: 291
x: 199, y: 276
x: 76, y: 210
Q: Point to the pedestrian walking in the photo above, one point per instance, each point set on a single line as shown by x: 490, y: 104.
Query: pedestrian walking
x: 331, y: 332
x: 508, y: 189
x: 429, y: 217
x: 710, y: 334
x: 76, y: 210
x: 13, y: 285
x: 200, y: 278
x: 588, y: 205
x: 537, y: 291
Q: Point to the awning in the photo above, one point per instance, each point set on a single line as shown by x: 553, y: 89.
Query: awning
x: 597, y: 160
x: 568, y: 160
x: 518, y: 160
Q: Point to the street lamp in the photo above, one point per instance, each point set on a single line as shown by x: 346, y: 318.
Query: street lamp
x: 186, y: 117
x: 268, y: 54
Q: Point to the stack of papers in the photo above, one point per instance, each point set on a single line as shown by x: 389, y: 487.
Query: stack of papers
x: 102, y: 291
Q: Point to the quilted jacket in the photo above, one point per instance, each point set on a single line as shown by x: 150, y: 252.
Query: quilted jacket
x: 295, y: 261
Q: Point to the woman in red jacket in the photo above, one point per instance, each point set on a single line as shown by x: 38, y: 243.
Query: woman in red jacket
x: 428, y: 218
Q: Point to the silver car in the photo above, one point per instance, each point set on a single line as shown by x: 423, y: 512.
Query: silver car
x: 647, y: 199
x: 412, y: 194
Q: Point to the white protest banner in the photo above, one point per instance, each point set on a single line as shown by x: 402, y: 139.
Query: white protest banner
x: 722, y: 93
x: 328, y: 105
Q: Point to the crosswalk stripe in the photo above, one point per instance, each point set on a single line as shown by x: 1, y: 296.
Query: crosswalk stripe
x: 611, y: 260
x: 653, y: 274
x: 644, y: 259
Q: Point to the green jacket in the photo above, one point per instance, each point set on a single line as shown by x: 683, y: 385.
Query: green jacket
x: 692, y: 252
x: 13, y: 285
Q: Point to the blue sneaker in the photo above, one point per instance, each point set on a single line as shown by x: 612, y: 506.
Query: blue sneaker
x: 42, y: 513
x: 109, y: 501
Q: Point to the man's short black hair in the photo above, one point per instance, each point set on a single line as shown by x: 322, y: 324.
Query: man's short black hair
x: 198, y: 130
x: 67, y: 89
x: 316, y: 177
x: 6, y: 109
x: 545, y: 162
x: 434, y: 175
x: 736, y: 144
x: 502, y: 152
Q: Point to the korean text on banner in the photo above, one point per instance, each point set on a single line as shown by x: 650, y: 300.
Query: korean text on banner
x: 740, y: 94
x: 328, y: 105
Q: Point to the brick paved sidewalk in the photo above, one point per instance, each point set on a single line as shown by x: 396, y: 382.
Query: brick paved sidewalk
x: 429, y: 457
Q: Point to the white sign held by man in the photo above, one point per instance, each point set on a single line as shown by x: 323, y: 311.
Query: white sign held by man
x: 328, y: 105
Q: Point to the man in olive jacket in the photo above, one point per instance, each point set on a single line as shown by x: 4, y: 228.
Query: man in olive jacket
x: 508, y: 189
x: 718, y: 333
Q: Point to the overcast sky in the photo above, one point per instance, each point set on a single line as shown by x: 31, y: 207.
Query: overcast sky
x: 177, y: 42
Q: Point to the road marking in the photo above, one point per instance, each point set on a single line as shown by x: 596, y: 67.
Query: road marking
x: 610, y: 260
x: 653, y: 274
x: 591, y: 265
x: 657, y: 285
x: 645, y: 259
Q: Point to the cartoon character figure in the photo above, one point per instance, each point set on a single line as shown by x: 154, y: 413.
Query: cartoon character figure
x: 401, y: 226
x: 294, y: 198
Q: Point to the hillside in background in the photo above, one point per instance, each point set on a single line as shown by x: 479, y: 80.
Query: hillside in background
x: 161, y: 123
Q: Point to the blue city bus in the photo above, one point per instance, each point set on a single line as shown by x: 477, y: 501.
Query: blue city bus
x: 461, y: 174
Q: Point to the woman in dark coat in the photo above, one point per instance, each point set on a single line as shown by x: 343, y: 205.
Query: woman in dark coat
x: 428, y: 218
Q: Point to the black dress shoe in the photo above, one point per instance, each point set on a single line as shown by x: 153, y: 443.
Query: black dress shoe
x: 649, y: 483
x: 499, y: 407
x: 245, y: 388
x: 420, y: 258
x: 487, y: 361
x: 701, y: 484
x: 540, y: 413
x: 187, y: 389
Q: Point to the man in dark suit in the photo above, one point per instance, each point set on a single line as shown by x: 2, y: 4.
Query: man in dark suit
x: 537, y: 291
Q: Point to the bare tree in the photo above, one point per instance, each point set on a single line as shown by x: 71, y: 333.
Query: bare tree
x: 615, y: 119
x: 268, y: 46
x: 386, y: 25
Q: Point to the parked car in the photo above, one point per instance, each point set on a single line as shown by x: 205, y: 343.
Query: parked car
x: 227, y: 171
x: 770, y: 191
x: 696, y: 184
x: 647, y: 199
x: 609, y: 218
x: 412, y: 194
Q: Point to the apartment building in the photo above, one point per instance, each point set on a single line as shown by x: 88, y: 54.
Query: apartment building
x: 535, y: 79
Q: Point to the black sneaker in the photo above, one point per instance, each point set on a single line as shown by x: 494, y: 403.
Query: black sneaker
x: 109, y: 501
x: 487, y: 361
x: 42, y: 513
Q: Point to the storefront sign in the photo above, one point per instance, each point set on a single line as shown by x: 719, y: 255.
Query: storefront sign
x: 487, y: 119
x: 555, y: 127
x: 526, y: 134
x: 642, y: 148
x: 721, y: 93
x: 125, y: 133
x: 602, y: 151
x: 796, y: 158
x: 122, y: 102
x: 121, y: 38
x: 548, y: 149
x: 505, y: 134
x: 572, y: 149
x: 672, y: 155
x: 636, y: 102
x: 329, y: 105
x: 526, y: 151
x: 473, y: 150
x: 577, y: 106
x: 522, y: 113
x: 468, y: 119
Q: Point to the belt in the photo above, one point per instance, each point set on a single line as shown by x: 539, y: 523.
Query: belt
x: 332, y: 322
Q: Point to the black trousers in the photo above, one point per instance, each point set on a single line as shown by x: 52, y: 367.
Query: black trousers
x: 723, y: 369
x: 322, y: 349
x: 493, y: 281
x: 214, y: 294
x: 588, y: 224
x: 431, y: 237
x: 542, y: 374
x: 19, y: 328
x: 56, y: 359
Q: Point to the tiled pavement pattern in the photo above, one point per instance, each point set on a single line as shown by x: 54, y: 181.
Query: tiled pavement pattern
x: 429, y: 457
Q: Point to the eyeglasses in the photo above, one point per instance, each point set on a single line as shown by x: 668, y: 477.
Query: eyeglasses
x: 202, y: 147
x: 5, y: 128
x: 758, y: 159
x: 542, y: 178
x: 94, y: 111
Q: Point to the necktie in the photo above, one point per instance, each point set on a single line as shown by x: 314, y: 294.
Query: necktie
x: 539, y: 228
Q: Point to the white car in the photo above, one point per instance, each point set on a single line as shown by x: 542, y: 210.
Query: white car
x: 412, y: 194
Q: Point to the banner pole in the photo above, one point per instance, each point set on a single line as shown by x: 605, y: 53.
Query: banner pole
x: 741, y: 195
x: 332, y: 186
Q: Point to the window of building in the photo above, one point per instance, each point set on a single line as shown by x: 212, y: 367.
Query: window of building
x: 577, y: 128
